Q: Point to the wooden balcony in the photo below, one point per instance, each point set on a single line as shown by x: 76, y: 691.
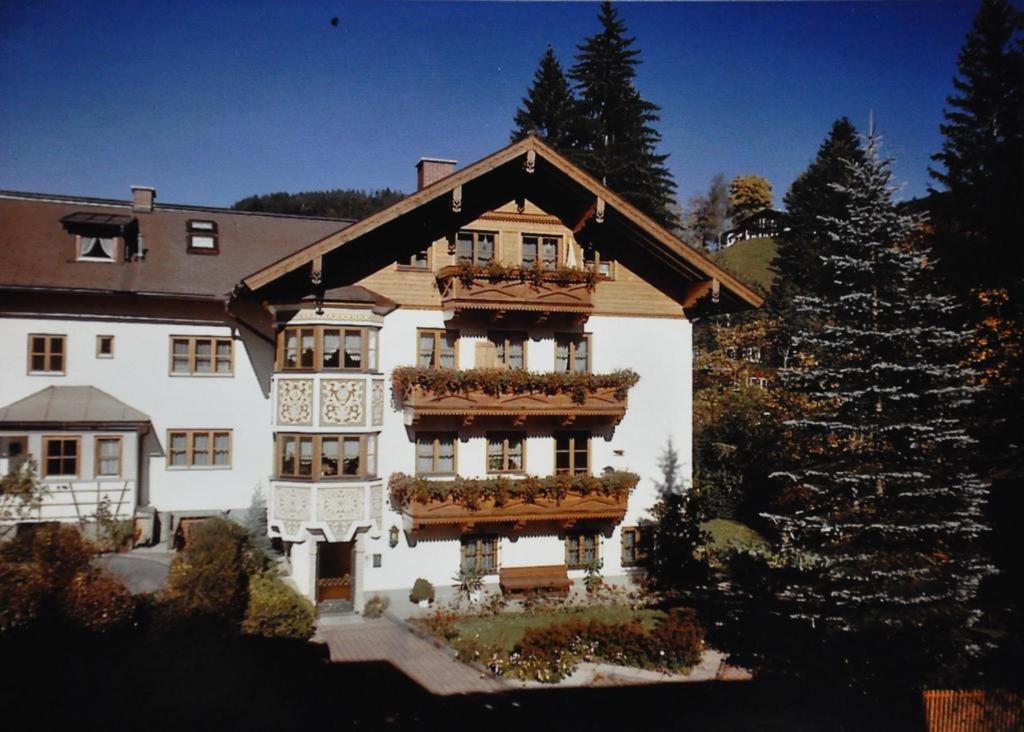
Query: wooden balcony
x: 606, y: 404
x: 498, y: 296
x: 516, y: 512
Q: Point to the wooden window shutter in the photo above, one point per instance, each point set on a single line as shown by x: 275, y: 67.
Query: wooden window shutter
x: 486, y: 355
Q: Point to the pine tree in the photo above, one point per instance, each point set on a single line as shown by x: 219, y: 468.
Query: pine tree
x: 549, y: 108
x: 618, y: 140
x: 879, y: 519
x: 980, y: 219
x: 673, y: 543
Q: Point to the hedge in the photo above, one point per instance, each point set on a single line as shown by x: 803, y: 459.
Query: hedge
x: 276, y: 611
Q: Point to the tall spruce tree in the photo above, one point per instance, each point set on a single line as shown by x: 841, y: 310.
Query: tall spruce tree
x: 879, y: 519
x: 803, y: 242
x: 549, y: 108
x: 980, y: 218
x: 618, y: 140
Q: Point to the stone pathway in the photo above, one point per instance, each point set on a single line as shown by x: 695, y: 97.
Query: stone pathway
x: 353, y: 639
x: 139, y: 571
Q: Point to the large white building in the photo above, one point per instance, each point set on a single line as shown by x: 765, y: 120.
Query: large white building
x: 168, y: 361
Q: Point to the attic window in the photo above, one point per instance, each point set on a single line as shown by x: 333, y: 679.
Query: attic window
x: 202, y: 237
x: 95, y: 248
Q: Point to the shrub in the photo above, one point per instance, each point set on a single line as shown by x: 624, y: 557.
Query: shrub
x: 210, y: 578
x: 276, y: 611
x: 22, y: 596
x: 375, y: 606
x: 422, y: 590
x: 98, y: 602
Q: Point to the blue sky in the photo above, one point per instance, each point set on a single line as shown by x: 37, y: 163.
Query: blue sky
x: 210, y: 102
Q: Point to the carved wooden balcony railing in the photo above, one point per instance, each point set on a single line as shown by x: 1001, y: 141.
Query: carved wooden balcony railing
x: 468, y: 503
x: 514, y: 290
x: 518, y: 395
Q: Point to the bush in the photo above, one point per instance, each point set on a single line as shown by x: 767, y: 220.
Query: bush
x: 375, y: 606
x: 276, y: 611
x: 22, y: 596
x: 210, y: 577
x: 98, y: 602
x: 421, y: 590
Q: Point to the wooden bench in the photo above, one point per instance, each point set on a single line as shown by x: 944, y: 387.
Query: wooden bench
x: 552, y: 578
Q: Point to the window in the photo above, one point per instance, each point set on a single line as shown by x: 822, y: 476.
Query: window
x: 510, y: 349
x: 325, y: 348
x: 541, y: 251
x: 582, y: 550
x: 572, y: 453
x: 60, y: 457
x: 758, y: 381
x: 593, y: 262
x: 13, y: 453
x: 752, y: 354
x: 202, y: 237
x: 632, y: 546
x: 108, y: 457
x: 505, y: 452
x: 104, y: 346
x: 435, y: 454
x: 480, y: 553
x: 572, y: 353
x: 474, y: 247
x: 46, y: 354
x: 95, y: 249
x: 191, y: 355
x: 326, y: 457
x: 437, y: 349
x: 199, y: 449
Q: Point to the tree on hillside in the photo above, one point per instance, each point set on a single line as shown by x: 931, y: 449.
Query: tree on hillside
x: 618, y: 140
x: 338, y: 203
x: 798, y: 265
x: 706, y: 216
x: 748, y: 194
x: 879, y: 518
x: 980, y: 220
x: 549, y: 108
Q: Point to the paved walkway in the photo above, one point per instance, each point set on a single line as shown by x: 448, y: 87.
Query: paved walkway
x: 139, y: 571
x: 355, y: 639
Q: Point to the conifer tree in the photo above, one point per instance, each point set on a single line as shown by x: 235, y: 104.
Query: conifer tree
x: 549, y: 108
x: 980, y: 219
x: 618, y: 140
x: 879, y: 519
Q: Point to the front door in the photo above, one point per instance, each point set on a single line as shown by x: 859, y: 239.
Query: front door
x: 334, y: 571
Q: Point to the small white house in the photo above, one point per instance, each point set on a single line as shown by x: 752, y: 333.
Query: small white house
x: 359, y: 373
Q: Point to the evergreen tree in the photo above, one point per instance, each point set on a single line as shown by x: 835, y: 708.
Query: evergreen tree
x: 672, y: 545
x: 618, y: 140
x: 338, y: 203
x: 803, y: 242
x: 879, y: 519
x: 980, y: 219
x: 549, y: 108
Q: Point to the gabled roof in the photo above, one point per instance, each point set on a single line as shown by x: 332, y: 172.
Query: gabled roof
x: 527, y: 169
x: 78, y: 406
x: 39, y: 253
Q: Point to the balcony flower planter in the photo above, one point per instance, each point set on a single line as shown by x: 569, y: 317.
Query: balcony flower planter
x: 511, y: 393
x: 496, y: 287
x: 561, y: 499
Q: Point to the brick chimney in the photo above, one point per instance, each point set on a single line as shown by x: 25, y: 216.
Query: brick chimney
x: 431, y: 170
x: 142, y: 198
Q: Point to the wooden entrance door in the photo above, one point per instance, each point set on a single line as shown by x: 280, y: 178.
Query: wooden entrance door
x: 334, y: 577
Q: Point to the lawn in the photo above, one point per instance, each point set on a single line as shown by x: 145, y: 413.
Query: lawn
x: 506, y: 629
x: 750, y: 260
x: 727, y: 534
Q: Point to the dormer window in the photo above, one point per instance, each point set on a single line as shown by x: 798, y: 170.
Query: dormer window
x: 202, y: 237
x: 96, y: 248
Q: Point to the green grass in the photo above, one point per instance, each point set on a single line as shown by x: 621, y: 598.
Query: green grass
x: 750, y: 261
x: 505, y: 630
x: 727, y: 534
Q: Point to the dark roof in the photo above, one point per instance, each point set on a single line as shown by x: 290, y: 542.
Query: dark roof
x: 39, y: 253
x: 77, y: 405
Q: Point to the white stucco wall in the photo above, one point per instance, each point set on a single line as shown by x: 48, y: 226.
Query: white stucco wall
x: 138, y: 375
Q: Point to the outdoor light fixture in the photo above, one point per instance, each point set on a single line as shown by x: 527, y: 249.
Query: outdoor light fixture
x: 393, y: 536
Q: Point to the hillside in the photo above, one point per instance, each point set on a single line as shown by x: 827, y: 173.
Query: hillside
x: 750, y: 261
